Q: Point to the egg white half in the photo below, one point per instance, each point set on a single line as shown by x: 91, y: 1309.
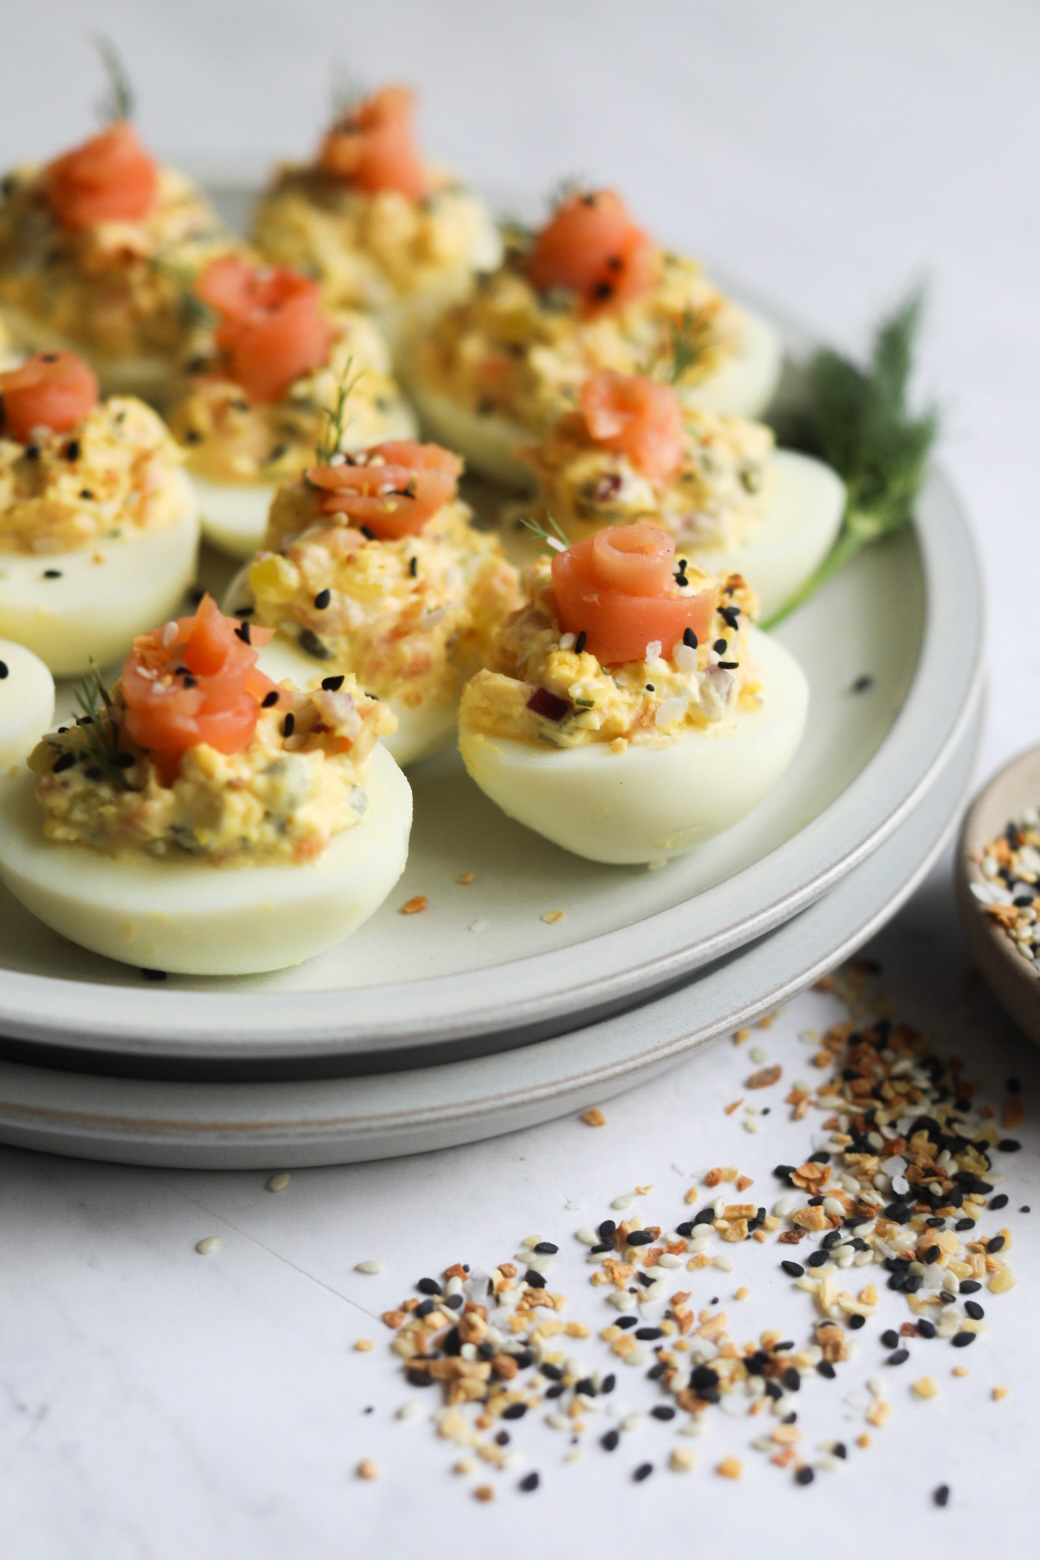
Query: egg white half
x: 420, y: 730
x: 649, y: 803
x: 804, y: 501
x: 742, y: 386
x: 103, y: 594
x: 193, y: 918
x: 234, y: 514
x: 26, y: 702
x: 150, y: 377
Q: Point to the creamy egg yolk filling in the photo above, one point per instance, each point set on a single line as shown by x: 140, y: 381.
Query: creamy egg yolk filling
x: 111, y: 477
x: 230, y: 438
x: 412, y: 617
x: 300, y: 781
x: 369, y: 249
x: 116, y: 288
x: 713, y: 499
x: 543, y: 687
x: 510, y: 350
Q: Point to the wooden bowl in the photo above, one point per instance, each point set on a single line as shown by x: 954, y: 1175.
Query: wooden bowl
x: 1012, y: 978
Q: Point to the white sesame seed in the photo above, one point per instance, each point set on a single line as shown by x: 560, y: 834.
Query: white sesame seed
x: 370, y: 1265
x: 278, y: 1182
x: 208, y: 1245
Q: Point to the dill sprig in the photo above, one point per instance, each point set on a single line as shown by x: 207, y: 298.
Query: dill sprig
x: 99, y: 727
x: 336, y: 420
x: 683, y: 348
x: 117, y: 101
x: 552, y: 537
x: 564, y: 190
x: 346, y: 91
x: 858, y: 420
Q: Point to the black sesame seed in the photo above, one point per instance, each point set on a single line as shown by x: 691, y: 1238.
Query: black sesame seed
x: 856, y: 1320
x: 413, y: 569
x: 609, y: 1441
x: 535, y: 1279
x: 514, y: 1411
x: 890, y: 1338
x: 586, y: 1387
x: 269, y: 699
x: 684, y: 1229
x: 502, y: 1438
x: 72, y: 450
x: 645, y: 1469
x: 606, y: 1229
x: 996, y: 1243
x: 1009, y: 1145
x: 791, y: 1379
x: 638, y: 1238
x: 553, y: 1372
x: 367, y: 533
x: 608, y: 1383
x: 689, y: 639
x: 322, y: 599
x: 424, y: 1308
x: 898, y: 1357
x: 332, y: 684
x: 825, y: 1368
x: 428, y: 1286
x: 556, y: 1390
x: 52, y: 574
x: 649, y: 1334
x: 932, y: 1254
x: 289, y: 724
x: 580, y: 642
x: 720, y: 647
x: 705, y: 1216
x: 601, y: 1249
x: 925, y: 1328
x: 1000, y: 1201
x: 974, y: 1310
x: 804, y: 1476
x: 941, y: 1496
x: 663, y: 1411
x: 243, y: 632
x: 656, y: 1371
x: 529, y: 1482
x: 86, y: 493
x: 454, y: 1302
x: 154, y: 974
x: 970, y: 1286
x: 728, y: 666
x: 5, y: 670
x: 63, y: 761
x: 625, y: 1322
x: 961, y: 1340
x: 964, y: 1224
x: 817, y: 1258
x: 795, y: 1269
x: 546, y: 1248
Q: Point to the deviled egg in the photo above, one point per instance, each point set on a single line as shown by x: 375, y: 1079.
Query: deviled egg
x: 95, y: 250
x: 258, y: 385
x: 590, y: 290
x: 632, y: 451
x: 204, y: 820
x: 371, y: 565
x: 630, y: 710
x: 381, y: 228
x: 26, y: 702
x: 98, y: 523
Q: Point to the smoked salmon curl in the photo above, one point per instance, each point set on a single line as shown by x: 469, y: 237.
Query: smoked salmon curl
x: 373, y: 146
x: 617, y: 588
x: 390, y: 489
x: 110, y: 178
x: 591, y: 246
x: 637, y: 417
x: 54, y: 390
x: 272, y: 328
x: 197, y: 685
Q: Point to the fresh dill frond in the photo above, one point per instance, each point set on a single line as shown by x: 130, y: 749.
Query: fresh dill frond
x: 117, y: 101
x: 554, y: 537
x: 346, y: 91
x: 336, y: 420
x: 564, y: 190
x: 683, y: 348
x: 99, y: 729
x: 860, y: 422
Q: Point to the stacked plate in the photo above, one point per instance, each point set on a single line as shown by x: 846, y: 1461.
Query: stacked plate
x: 491, y: 1009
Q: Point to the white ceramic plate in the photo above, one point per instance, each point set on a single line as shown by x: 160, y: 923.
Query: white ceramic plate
x: 331, y: 1121
x: 481, y: 966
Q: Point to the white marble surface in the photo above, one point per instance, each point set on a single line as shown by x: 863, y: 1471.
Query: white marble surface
x: 160, y: 1404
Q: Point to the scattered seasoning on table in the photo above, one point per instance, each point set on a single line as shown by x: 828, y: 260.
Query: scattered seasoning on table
x: 415, y: 905
x: 370, y: 1265
x: 208, y: 1245
x: 1010, y: 870
x: 901, y: 1173
x: 593, y: 1117
x: 367, y: 1469
x: 278, y: 1182
x: 550, y: 917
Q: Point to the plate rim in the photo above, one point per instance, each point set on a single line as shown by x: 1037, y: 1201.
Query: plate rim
x: 519, y: 994
x: 76, y: 1130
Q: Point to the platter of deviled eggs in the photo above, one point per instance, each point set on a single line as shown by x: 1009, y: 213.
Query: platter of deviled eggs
x: 548, y: 888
